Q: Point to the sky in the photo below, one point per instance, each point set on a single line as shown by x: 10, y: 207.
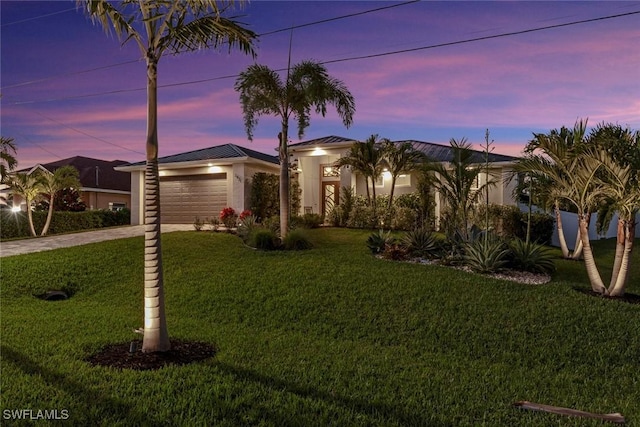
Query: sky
x: 69, y: 89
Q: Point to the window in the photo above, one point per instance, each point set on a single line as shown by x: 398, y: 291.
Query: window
x: 330, y: 171
x: 114, y: 206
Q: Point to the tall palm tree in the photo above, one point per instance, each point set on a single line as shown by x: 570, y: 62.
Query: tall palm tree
x: 159, y: 27
x: 8, y: 161
x: 458, y: 183
x: 401, y: 159
x: 29, y: 187
x: 307, y: 85
x: 51, y: 183
x: 368, y: 159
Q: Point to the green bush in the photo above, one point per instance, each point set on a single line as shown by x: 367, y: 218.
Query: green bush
x: 486, y: 255
x: 16, y: 224
x: 296, y: 240
x: 420, y: 242
x: 377, y: 241
x: 404, y: 219
x: 531, y: 256
x: 362, y: 217
x: 310, y: 220
x: 265, y: 240
x: 247, y: 226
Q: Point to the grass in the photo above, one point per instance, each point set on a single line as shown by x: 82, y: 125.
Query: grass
x: 330, y: 336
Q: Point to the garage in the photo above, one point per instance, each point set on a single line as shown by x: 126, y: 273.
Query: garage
x: 182, y: 198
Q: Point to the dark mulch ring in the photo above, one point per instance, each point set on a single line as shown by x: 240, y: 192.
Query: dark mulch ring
x: 627, y: 297
x: 181, y: 353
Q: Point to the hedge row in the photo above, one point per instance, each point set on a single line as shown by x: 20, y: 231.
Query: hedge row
x: 16, y: 224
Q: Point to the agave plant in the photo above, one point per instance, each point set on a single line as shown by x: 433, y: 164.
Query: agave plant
x: 531, y: 256
x: 486, y: 255
x: 420, y: 242
x: 379, y: 240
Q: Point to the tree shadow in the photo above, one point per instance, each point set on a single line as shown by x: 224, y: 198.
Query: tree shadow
x: 88, y: 397
x: 392, y: 414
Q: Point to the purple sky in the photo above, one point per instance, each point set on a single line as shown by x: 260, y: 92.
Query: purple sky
x: 512, y: 85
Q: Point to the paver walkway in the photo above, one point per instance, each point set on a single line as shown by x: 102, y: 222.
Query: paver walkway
x: 19, y: 247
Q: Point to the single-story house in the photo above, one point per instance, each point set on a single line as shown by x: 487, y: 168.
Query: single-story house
x: 102, y: 187
x: 320, y: 181
x: 200, y: 183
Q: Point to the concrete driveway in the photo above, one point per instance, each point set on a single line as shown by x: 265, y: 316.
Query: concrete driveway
x: 26, y: 246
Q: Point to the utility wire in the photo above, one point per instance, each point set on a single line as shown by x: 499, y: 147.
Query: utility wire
x: 37, y: 17
x: 268, y: 33
x: 352, y: 58
x: 87, y: 134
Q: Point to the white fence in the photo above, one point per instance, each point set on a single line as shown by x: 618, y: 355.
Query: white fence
x: 570, y: 227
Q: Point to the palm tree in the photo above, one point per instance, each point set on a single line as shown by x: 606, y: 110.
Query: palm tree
x: 306, y: 86
x: 29, y: 187
x: 401, y: 159
x: 368, y: 159
x: 8, y: 161
x: 617, y: 149
x: 51, y: 183
x: 160, y: 27
x: 458, y: 184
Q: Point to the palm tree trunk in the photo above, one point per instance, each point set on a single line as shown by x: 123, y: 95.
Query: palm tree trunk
x: 284, y: 181
x: 620, y: 248
x: 577, y: 251
x: 563, y: 242
x: 45, y: 229
x: 393, y: 186
x: 30, y: 217
x: 618, y: 288
x: 156, y: 335
x: 590, y: 263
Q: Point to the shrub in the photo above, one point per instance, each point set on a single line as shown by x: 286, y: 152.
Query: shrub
x: 395, y: 251
x: 264, y: 239
x: 310, y: 220
x: 198, y: 224
x: 486, y: 255
x: 404, y: 219
x: 265, y: 199
x: 378, y: 240
x: 247, y: 226
x: 337, y: 216
x: 228, y: 217
x: 362, y: 217
x: 420, y: 242
x: 272, y: 223
x: 245, y: 213
x: 530, y: 256
x: 296, y: 240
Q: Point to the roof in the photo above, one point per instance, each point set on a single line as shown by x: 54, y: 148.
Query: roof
x: 94, y: 173
x: 435, y: 152
x: 219, y: 152
x: 444, y: 153
x: 327, y: 140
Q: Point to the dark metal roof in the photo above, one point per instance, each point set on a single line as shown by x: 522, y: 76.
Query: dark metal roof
x: 332, y: 139
x: 436, y: 152
x: 219, y: 152
x: 444, y: 153
x: 105, y: 178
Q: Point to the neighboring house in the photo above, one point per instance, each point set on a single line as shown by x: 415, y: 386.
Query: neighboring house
x: 320, y: 181
x: 200, y: 183
x: 103, y: 187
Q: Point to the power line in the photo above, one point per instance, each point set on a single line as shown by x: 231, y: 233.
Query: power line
x: 308, y: 24
x: 352, y: 58
x: 87, y: 134
x: 37, y: 17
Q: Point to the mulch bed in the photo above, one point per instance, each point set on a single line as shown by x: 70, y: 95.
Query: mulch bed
x: 627, y: 297
x: 181, y: 353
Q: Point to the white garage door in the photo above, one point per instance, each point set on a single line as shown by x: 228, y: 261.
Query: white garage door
x: 182, y: 198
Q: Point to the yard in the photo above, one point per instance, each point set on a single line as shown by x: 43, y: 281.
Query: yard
x: 330, y: 336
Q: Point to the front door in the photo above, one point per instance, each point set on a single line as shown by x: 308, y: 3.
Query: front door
x: 330, y: 196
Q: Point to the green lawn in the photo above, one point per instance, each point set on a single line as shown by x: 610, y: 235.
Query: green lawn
x: 330, y: 336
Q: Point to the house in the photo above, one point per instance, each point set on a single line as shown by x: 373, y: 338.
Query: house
x: 103, y: 187
x: 200, y: 183
x: 320, y: 181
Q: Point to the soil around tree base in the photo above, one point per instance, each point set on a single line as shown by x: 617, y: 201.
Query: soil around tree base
x: 627, y: 297
x: 181, y: 353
